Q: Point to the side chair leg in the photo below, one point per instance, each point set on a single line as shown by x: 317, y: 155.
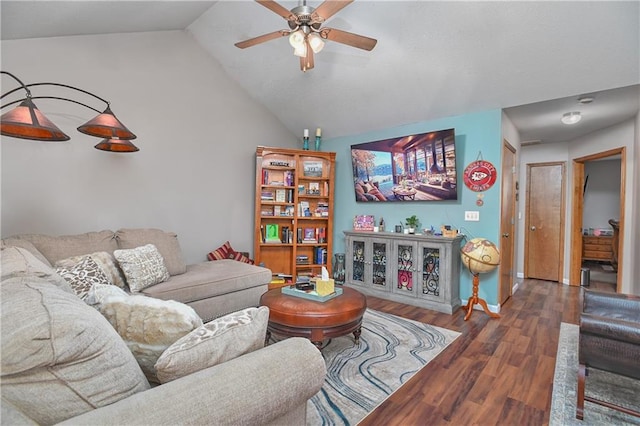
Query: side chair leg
x: 582, y: 374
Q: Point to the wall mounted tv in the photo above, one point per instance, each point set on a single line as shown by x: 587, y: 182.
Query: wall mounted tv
x: 420, y: 167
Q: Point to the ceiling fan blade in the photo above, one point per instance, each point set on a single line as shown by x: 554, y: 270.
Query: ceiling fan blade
x: 261, y: 39
x: 306, y: 63
x: 345, y: 37
x: 277, y: 8
x: 327, y: 9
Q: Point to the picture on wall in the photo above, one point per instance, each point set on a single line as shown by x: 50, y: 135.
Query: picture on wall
x: 420, y: 167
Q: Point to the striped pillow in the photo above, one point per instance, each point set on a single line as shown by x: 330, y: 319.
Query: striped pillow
x: 225, y: 251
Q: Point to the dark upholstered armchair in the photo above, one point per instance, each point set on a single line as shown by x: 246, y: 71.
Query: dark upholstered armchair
x: 609, y: 340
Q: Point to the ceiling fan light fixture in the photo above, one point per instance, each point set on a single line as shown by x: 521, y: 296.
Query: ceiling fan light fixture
x: 316, y: 42
x: 296, y: 39
x: 571, y: 117
x: 301, y: 51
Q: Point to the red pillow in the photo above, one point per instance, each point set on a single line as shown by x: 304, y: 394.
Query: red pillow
x: 225, y: 251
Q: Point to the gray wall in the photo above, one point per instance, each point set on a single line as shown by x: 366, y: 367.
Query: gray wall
x: 602, y: 194
x: 197, y: 133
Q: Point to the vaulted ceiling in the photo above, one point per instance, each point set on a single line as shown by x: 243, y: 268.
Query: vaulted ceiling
x: 432, y: 60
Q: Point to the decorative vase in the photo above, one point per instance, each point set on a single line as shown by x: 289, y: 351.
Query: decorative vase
x: 338, y: 268
x: 318, y: 138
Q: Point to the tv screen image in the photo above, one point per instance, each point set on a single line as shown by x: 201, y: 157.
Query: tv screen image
x: 420, y: 167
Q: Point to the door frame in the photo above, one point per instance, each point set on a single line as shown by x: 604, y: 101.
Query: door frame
x: 577, y: 209
x: 511, y: 226
x: 562, y: 224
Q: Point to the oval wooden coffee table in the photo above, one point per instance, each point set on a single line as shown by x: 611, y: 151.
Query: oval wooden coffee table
x: 292, y: 316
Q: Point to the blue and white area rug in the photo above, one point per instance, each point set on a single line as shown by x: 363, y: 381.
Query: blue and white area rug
x: 600, y: 384
x: 359, y: 378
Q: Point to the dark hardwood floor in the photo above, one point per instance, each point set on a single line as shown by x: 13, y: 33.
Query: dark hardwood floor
x: 498, y: 372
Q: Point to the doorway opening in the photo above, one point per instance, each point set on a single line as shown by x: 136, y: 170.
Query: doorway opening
x: 581, y: 242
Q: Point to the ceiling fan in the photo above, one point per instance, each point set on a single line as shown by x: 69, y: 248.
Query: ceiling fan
x: 306, y: 34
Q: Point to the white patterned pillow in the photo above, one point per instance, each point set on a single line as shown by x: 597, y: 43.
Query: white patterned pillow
x: 213, y: 343
x: 142, y: 266
x: 83, y: 275
x: 105, y: 261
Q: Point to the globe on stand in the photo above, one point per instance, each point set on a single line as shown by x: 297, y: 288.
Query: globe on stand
x: 480, y: 256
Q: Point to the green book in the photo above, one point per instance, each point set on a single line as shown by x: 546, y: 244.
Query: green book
x: 273, y: 233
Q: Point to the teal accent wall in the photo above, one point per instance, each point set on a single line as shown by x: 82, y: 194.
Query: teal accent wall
x: 477, y: 133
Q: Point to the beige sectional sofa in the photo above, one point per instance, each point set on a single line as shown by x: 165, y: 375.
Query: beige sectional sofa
x: 212, y: 288
x: 65, y: 363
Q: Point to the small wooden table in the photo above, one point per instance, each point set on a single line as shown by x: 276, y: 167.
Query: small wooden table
x: 404, y: 193
x: 292, y: 316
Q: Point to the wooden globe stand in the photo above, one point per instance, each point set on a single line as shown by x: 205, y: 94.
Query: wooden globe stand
x: 475, y: 299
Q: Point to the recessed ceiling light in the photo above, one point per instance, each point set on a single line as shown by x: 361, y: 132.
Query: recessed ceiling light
x: 571, y: 117
x: 585, y: 99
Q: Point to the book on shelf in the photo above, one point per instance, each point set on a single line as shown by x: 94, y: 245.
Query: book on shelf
x: 302, y: 259
x: 281, y: 195
x: 322, y: 210
x: 303, y: 209
x: 266, y: 212
x: 287, y: 235
x: 288, y: 211
x: 320, y: 255
x: 272, y: 233
x: 301, y: 189
x: 309, y: 235
x: 321, y: 235
x: 312, y: 168
x: 266, y: 195
x: 276, y: 210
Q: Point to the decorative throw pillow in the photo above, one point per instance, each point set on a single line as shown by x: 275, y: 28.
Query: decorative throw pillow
x: 98, y: 293
x: 83, y: 275
x: 142, y: 266
x: 149, y: 326
x: 105, y: 261
x: 166, y: 243
x: 213, y: 343
x: 225, y: 251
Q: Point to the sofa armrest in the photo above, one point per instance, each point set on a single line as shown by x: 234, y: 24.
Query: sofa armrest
x: 255, y: 388
x: 610, y: 328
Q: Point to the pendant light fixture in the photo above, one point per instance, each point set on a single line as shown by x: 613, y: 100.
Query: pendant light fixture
x: 26, y: 121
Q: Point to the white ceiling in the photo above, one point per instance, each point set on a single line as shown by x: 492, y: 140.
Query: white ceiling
x: 432, y: 60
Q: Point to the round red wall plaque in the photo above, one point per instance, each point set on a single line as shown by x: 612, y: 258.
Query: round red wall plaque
x: 480, y: 175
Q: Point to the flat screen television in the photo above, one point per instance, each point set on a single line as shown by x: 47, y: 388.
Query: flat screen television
x: 420, y: 167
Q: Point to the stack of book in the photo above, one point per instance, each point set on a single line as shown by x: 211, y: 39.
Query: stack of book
x: 302, y: 259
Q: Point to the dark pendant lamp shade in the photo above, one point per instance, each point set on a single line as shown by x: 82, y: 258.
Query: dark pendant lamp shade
x: 117, y: 145
x: 27, y: 122
x: 106, y: 125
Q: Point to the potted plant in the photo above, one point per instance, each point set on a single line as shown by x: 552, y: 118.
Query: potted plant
x: 412, y: 223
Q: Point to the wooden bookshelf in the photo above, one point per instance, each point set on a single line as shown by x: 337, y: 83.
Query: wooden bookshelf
x: 294, y: 210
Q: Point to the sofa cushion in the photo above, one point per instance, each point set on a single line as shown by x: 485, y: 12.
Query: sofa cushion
x: 56, y: 248
x: 209, y: 279
x: 60, y: 357
x: 105, y: 261
x: 142, y: 266
x: 26, y: 244
x: 166, y: 242
x: 20, y: 262
x: 83, y: 275
x: 213, y: 343
x: 149, y: 326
